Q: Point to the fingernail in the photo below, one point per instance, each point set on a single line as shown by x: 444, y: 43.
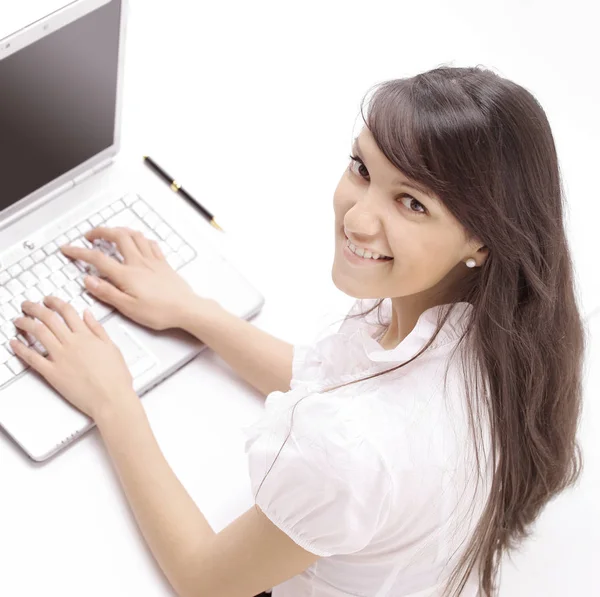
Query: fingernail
x: 92, y: 281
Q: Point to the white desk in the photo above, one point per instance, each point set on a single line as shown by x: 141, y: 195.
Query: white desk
x: 66, y: 524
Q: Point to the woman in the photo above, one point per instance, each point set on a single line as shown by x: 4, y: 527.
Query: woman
x: 405, y: 453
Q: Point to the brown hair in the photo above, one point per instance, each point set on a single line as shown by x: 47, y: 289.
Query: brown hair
x: 483, y: 144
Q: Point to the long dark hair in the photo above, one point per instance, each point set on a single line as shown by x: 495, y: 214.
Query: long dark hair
x: 483, y: 144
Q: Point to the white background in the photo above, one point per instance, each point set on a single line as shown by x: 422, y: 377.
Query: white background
x: 252, y: 107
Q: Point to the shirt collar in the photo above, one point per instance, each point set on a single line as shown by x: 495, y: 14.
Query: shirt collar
x: 416, y: 339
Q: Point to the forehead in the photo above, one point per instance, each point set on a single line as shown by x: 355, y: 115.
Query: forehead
x: 365, y: 139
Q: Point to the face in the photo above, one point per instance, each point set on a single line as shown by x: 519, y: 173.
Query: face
x: 378, y: 210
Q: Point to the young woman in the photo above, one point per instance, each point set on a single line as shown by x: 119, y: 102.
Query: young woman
x: 405, y: 453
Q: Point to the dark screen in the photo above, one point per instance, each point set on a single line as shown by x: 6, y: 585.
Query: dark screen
x: 57, y: 102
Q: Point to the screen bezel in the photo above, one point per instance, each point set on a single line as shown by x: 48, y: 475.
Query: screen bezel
x: 25, y: 37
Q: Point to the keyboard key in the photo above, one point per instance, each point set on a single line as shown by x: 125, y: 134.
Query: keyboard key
x: 118, y: 205
x: 62, y: 295
x: 5, y: 296
x: 88, y: 298
x: 4, y: 355
x: 140, y: 208
x: 163, y: 231
x: 46, y: 287
x: 16, y: 365
x: 38, y: 256
x: 100, y: 310
x: 175, y: 241
x: 96, y: 220
x: 122, y: 219
x: 165, y: 247
x: 34, y: 295
x: 40, y: 348
x: 41, y: 270
x: 54, y: 263
x: 4, y: 277
x: 26, y: 338
x: 60, y: 241
x: 106, y: 213
x: 5, y: 374
x: 9, y: 330
x: 26, y: 262
x: 15, y: 270
x: 71, y: 271
x: 151, y: 218
x: 17, y: 303
x: 62, y: 257
x: 79, y: 305
x: 58, y: 279
x: 9, y: 349
x: 84, y: 227
x: 8, y: 312
x: 73, y: 289
x: 73, y: 234
x: 15, y: 287
x: 175, y: 260
x: 51, y: 247
x: 187, y: 253
x: 28, y: 280
x: 130, y: 198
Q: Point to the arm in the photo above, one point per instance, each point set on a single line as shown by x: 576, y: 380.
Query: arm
x: 262, y: 360
x: 247, y: 557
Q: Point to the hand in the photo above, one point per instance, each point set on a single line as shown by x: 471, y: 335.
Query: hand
x: 83, y: 363
x: 144, y: 287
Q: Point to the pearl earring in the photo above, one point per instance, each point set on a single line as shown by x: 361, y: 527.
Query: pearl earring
x: 471, y: 262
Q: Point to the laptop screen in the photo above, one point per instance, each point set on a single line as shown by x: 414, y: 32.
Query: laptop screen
x: 57, y: 102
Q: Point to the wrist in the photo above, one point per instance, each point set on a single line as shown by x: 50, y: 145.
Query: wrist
x: 124, y: 406
x: 190, y: 317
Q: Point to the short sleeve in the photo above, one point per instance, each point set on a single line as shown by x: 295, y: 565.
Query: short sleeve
x: 327, y: 487
x: 306, y: 365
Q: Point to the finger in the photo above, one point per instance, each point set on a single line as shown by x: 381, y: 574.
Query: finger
x: 143, y: 243
x: 67, y: 312
x: 108, y: 293
x: 106, y: 266
x: 49, y: 318
x: 121, y: 236
x: 94, y: 325
x: 35, y: 360
x: 39, y: 331
x: 156, y: 250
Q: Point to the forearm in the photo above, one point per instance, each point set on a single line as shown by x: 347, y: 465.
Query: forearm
x: 171, y: 523
x: 261, y: 359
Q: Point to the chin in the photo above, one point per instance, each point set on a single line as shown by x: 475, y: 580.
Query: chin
x: 350, y: 287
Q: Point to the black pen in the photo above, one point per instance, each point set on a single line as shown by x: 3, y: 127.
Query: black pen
x: 179, y: 189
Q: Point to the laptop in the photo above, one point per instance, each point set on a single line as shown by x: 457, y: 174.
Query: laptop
x: 61, y: 174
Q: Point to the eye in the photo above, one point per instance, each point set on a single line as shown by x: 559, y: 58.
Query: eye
x: 356, y: 160
x: 412, y: 199
x: 365, y: 173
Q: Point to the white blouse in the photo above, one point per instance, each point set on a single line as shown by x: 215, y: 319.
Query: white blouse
x: 377, y: 477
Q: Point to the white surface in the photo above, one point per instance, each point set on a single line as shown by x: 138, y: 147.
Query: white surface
x: 252, y: 106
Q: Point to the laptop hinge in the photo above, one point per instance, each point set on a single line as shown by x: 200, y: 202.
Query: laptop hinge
x: 78, y: 179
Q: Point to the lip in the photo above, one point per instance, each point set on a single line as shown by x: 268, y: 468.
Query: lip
x: 361, y: 261
x: 346, y: 239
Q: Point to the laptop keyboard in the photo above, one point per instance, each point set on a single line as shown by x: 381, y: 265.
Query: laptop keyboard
x: 48, y: 271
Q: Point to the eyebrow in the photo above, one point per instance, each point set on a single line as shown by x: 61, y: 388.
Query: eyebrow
x: 399, y: 181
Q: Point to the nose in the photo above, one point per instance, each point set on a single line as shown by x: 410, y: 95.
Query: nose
x: 361, y: 225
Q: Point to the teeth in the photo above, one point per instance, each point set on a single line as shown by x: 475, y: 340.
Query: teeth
x: 362, y: 252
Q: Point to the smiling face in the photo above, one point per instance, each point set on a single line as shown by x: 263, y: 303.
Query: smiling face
x: 379, y: 209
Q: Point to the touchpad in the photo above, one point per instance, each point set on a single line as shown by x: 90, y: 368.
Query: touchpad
x: 138, y: 358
